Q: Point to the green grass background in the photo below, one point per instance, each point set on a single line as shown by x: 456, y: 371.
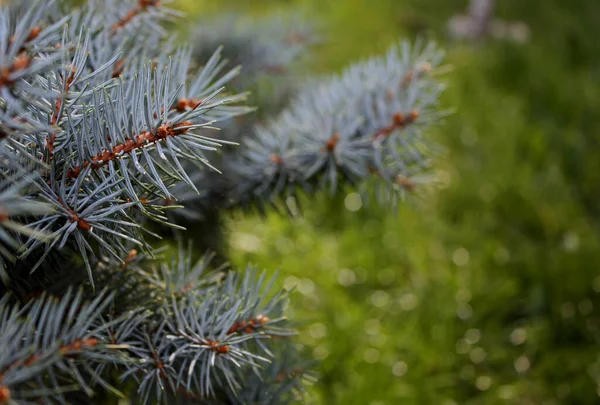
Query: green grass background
x: 486, y: 290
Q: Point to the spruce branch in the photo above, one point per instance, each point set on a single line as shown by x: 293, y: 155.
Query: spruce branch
x: 140, y: 141
x: 97, y: 215
x: 103, y: 133
x: 105, y: 128
x: 281, y: 382
x: 50, y: 344
x: 341, y: 131
x: 141, y: 7
x: 205, y: 330
x: 12, y: 207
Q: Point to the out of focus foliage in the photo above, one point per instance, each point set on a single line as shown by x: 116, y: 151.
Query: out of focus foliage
x: 488, y: 290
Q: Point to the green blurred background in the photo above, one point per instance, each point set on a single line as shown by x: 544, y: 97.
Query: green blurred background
x: 486, y: 290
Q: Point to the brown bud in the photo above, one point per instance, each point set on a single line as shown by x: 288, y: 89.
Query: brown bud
x: 4, y: 395
x: 414, y: 115
x: 332, y: 143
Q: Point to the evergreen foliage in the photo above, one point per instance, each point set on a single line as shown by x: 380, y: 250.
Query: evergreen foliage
x: 106, y: 128
x: 488, y: 292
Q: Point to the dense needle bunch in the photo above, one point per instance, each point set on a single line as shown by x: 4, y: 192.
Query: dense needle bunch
x: 367, y: 122
x: 106, y: 128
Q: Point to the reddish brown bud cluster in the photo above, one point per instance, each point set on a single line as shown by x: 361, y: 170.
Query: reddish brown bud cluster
x: 78, y: 345
x: 118, y: 68
x: 188, y: 287
x: 399, y: 121
x: 3, y: 216
x: 419, y: 71
x: 130, y: 257
x: 400, y: 180
x: 142, y: 6
x: 146, y: 138
x: 32, y: 360
x: 216, y: 346
x: 275, y: 158
x: 159, y: 364
x: 65, y: 350
x: 142, y: 201
x: 81, y: 223
x: 332, y: 143
x: 50, y: 144
x: 33, y: 34
x: 248, y: 326
x: 148, y: 3
x: 186, y: 104
x: 21, y: 62
x: 4, y: 395
x: 414, y: 115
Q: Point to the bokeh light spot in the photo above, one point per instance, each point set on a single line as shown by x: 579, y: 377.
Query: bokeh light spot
x: 518, y: 336
x: 399, y: 368
x: 483, y: 383
x: 306, y: 286
x: 353, y: 202
x: 460, y: 257
x: 318, y: 330
x: 321, y: 352
x: 346, y: 277
x: 477, y: 355
x: 473, y: 336
x: 380, y: 299
x: 522, y: 364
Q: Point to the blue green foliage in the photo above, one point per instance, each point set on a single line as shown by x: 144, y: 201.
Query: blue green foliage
x: 106, y: 127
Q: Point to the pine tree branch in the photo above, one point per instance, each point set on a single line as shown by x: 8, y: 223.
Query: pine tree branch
x: 142, y: 6
x: 337, y: 133
x: 115, y: 119
x: 143, y: 140
x: 400, y: 121
x: 7, y: 73
x: 22, y: 61
x: 52, y: 339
